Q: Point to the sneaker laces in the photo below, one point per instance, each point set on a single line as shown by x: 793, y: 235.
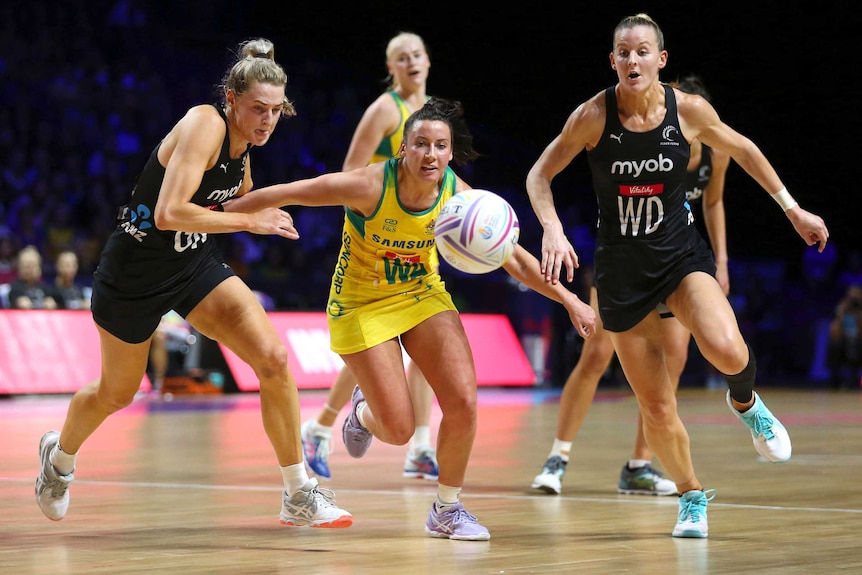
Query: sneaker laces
x: 323, y: 496
x: 457, y: 514
x: 763, y: 424
x: 694, y: 507
x: 57, y: 486
x: 554, y: 465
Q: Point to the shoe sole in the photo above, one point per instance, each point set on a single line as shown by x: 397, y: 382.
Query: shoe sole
x: 340, y: 523
x: 691, y: 534
x: 645, y: 492
x: 545, y: 489
x: 438, y: 535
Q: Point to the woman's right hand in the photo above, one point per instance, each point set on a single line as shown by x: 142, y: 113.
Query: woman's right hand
x: 557, y: 252
x: 273, y: 221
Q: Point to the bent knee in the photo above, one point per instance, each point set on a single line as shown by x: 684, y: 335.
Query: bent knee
x: 731, y: 356
x: 113, y: 401
x: 597, y: 357
x: 270, y: 361
x: 401, y: 435
x: 463, y: 414
x: 658, y: 412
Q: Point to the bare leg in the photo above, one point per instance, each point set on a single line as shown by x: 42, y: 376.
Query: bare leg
x: 339, y: 395
x: 159, y: 358
x: 580, y: 387
x: 676, y: 338
x: 123, y: 368
x: 251, y: 335
x: 641, y: 354
x: 389, y: 416
x: 421, y: 395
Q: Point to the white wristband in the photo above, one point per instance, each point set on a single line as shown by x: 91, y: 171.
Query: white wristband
x: 784, y: 199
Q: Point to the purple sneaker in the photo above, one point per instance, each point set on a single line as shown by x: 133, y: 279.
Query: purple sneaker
x: 357, y: 439
x: 455, y: 523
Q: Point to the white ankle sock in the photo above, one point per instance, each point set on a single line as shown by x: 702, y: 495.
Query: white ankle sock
x: 561, y: 448
x: 320, y: 430
x: 421, y: 438
x: 294, y: 476
x: 63, y: 462
x: 360, y: 413
x: 447, y: 496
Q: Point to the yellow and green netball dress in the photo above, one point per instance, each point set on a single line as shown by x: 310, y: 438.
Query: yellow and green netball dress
x: 386, y: 279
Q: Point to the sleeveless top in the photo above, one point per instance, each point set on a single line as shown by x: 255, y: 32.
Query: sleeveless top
x: 390, y: 144
x: 386, y: 279
x: 646, y: 241
x: 391, y: 248
x: 140, y: 253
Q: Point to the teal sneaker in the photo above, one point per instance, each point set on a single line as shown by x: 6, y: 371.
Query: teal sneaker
x: 770, y: 438
x: 691, y: 521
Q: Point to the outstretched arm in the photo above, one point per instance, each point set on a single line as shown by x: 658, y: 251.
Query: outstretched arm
x: 703, y: 123
x: 358, y: 189
x: 582, y: 129
x: 524, y: 267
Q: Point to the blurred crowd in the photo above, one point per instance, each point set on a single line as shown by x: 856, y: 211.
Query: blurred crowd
x: 88, y: 90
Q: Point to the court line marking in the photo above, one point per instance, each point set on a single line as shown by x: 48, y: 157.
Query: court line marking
x: 625, y: 500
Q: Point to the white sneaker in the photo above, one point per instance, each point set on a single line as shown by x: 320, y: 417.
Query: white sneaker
x: 692, y: 514
x: 52, y: 489
x: 313, y: 507
x: 769, y: 436
x: 550, y: 480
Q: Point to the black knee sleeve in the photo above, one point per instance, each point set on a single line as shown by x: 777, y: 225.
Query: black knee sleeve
x: 741, y: 385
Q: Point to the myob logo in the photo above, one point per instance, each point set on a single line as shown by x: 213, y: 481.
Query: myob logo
x: 637, y: 167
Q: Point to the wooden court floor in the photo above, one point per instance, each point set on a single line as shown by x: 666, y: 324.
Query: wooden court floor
x: 191, y: 486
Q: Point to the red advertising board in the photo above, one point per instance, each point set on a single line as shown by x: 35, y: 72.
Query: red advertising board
x: 44, y: 352
x: 500, y: 359
x: 48, y: 351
